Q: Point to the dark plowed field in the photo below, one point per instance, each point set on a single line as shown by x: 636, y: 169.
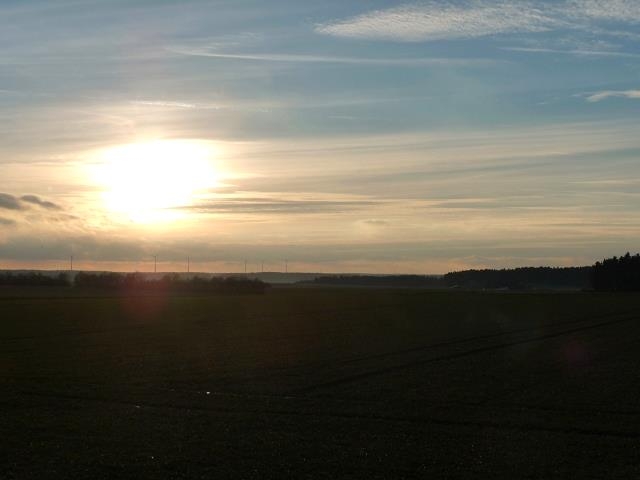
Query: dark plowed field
x: 314, y: 383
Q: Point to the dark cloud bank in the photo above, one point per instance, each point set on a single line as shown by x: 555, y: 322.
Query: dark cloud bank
x: 11, y: 202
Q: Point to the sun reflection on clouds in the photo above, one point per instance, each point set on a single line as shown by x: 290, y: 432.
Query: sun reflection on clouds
x: 144, y: 182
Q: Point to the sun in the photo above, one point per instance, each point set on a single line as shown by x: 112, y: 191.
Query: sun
x: 156, y: 181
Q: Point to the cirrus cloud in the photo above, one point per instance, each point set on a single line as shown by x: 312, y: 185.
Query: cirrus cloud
x: 437, y: 21
x: 609, y: 10
x: 428, y: 21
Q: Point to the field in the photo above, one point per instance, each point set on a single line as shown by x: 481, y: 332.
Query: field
x: 320, y: 383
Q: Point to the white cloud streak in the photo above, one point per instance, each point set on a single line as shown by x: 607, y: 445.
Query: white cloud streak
x: 160, y: 103
x: 584, y: 53
x: 298, y: 58
x: 599, y: 96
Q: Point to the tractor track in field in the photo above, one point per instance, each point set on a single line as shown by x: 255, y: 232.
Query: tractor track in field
x: 467, y: 353
x: 442, y: 344
x: 475, y: 338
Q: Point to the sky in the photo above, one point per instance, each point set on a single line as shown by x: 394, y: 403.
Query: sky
x: 341, y: 136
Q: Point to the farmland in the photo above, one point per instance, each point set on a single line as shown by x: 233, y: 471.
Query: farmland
x: 319, y: 383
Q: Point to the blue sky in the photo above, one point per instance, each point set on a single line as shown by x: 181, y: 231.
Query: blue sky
x: 347, y: 136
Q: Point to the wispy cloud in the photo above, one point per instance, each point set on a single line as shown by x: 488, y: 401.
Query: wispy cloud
x: 610, y: 10
x: 299, y: 58
x: 598, y: 96
x: 445, y: 20
x: 376, y: 222
x: 261, y: 205
x: 161, y: 103
x: 586, y: 53
x: 438, y: 20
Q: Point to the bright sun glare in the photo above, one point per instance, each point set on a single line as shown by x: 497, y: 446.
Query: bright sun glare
x: 148, y: 182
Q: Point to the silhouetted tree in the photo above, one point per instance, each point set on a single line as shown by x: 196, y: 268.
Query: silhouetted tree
x: 34, y: 279
x: 521, y: 278
x: 408, y: 281
x: 617, y: 274
x: 136, y: 282
x: 516, y: 279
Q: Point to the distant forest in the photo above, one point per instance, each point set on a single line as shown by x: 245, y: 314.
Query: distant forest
x: 34, y: 279
x: 612, y: 274
x: 136, y: 282
x: 508, y: 279
x: 169, y: 283
x: 522, y: 278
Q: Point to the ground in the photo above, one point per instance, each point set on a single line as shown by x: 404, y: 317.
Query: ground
x: 319, y: 383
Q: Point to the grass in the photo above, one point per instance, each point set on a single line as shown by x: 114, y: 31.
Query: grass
x: 319, y: 383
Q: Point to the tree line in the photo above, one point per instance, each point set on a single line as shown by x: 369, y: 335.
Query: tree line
x: 169, y: 283
x: 614, y: 274
x: 513, y: 279
x: 611, y: 274
x: 137, y: 282
x: 524, y: 278
x: 33, y: 279
x: 406, y: 281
